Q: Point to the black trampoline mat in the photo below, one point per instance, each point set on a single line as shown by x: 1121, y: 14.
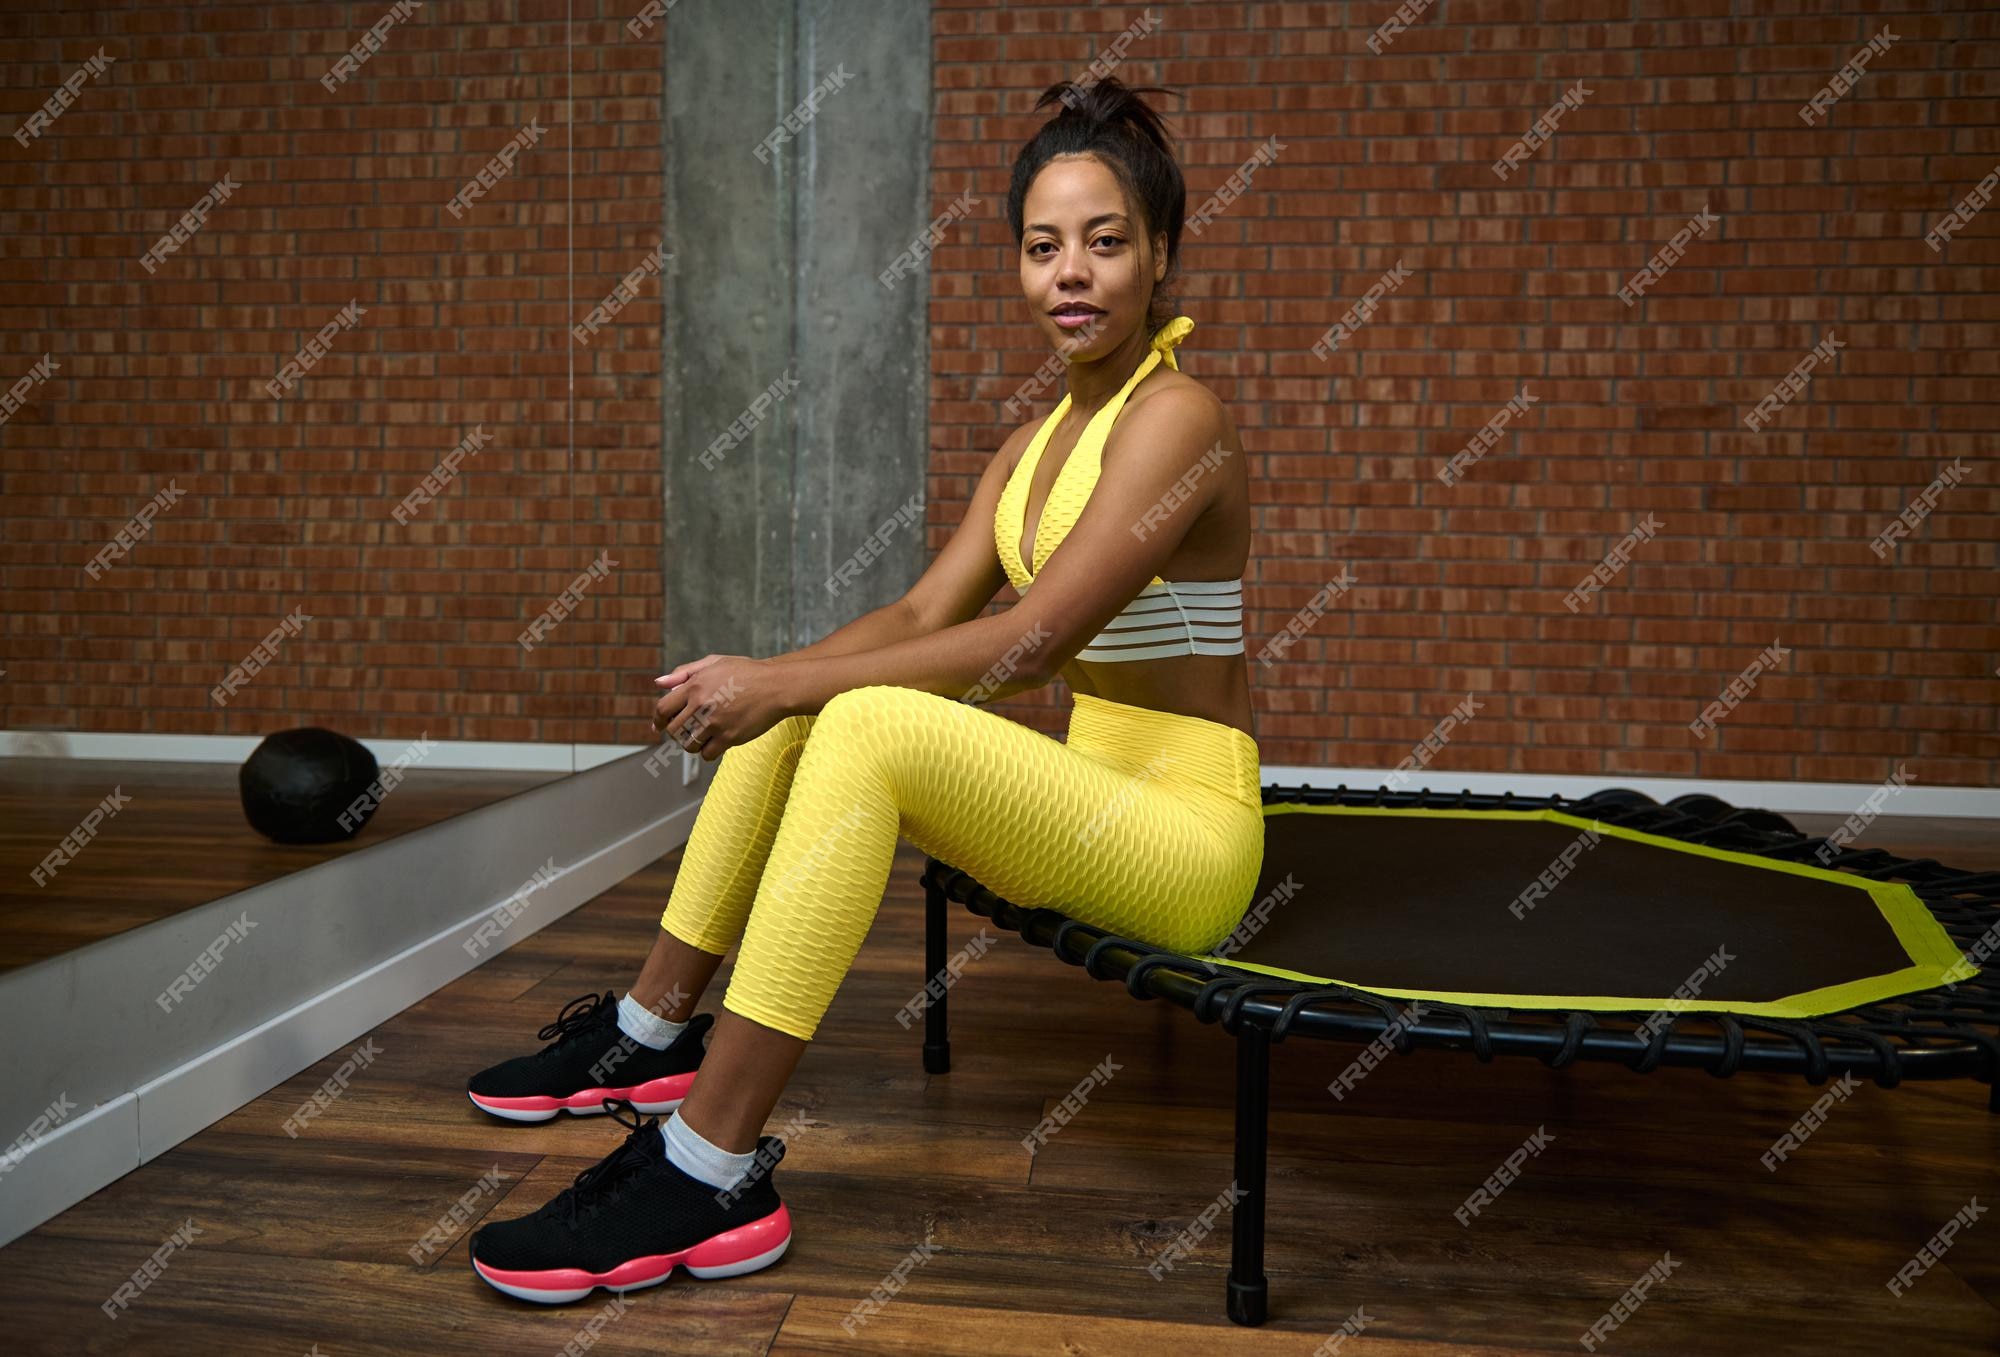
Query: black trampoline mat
x: 1420, y: 901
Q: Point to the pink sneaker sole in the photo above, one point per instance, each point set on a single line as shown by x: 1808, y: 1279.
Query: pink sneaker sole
x: 732, y: 1253
x: 655, y: 1095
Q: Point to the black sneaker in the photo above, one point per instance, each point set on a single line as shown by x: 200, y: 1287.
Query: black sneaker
x: 589, y: 1060
x: 631, y: 1219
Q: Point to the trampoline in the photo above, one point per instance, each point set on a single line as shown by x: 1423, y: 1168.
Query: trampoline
x: 1609, y: 928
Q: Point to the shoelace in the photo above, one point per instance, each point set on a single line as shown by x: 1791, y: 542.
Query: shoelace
x: 602, y: 1182
x: 579, y: 1015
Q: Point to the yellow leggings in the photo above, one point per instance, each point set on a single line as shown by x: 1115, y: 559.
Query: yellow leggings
x: 1146, y: 823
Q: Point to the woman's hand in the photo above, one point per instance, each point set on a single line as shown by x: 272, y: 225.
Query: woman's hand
x: 719, y: 701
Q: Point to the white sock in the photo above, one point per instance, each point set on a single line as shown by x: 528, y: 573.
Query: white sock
x: 644, y: 1026
x: 694, y: 1156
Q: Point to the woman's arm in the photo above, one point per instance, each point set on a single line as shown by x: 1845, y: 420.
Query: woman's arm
x: 884, y: 626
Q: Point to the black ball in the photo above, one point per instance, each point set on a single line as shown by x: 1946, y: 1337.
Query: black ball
x: 298, y: 784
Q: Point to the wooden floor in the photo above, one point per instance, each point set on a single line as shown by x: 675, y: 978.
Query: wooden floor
x: 305, y: 1242
x: 185, y: 822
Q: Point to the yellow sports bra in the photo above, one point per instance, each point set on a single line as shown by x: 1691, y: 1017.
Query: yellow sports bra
x: 1168, y: 617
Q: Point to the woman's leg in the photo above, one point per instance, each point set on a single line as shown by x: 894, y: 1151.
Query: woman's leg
x: 717, y: 880
x: 1129, y: 833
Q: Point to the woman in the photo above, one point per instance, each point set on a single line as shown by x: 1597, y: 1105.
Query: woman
x: 1147, y: 821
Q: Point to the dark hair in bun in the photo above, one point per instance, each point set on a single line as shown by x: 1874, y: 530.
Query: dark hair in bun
x: 1109, y: 120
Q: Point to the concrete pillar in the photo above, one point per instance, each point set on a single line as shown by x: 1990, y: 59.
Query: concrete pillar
x: 776, y: 323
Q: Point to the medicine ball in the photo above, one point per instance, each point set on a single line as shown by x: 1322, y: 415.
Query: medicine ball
x: 298, y: 783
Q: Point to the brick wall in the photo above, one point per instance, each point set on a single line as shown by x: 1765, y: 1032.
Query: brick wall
x: 1630, y: 415
x: 276, y: 508
x: 1631, y: 419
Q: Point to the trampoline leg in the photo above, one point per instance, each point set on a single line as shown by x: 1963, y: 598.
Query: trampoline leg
x: 1249, y: 1292
x: 937, y: 1046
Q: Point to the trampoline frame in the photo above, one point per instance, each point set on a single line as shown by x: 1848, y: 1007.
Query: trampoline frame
x: 1942, y: 1033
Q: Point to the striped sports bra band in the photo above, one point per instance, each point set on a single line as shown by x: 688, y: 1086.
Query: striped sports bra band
x: 1167, y: 617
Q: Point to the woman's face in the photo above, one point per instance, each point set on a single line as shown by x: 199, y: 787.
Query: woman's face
x: 1083, y: 246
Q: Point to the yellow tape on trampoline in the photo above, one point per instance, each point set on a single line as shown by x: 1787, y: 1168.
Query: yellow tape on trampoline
x: 1934, y: 959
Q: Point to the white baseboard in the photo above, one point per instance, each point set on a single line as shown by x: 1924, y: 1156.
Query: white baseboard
x: 138, y: 747
x: 1806, y: 798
